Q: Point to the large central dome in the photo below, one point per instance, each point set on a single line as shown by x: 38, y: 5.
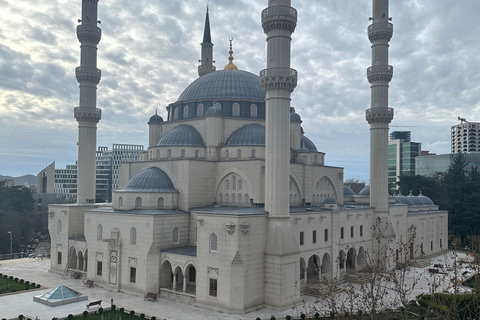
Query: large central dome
x: 224, y: 84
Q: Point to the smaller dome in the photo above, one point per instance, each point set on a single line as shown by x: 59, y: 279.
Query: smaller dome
x: 249, y: 135
x: 214, y: 111
x: 155, y: 119
x: 424, y: 200
x: 365, y: 192
x: 182, y: 135
x: 303, y: 150
x: 305, y: 142
x: 347, y: 191
x: 149, y: 180
x: 329, y: 200
x: 295, y: 117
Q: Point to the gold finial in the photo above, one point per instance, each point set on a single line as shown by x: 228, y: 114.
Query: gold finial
x: 230, y: 65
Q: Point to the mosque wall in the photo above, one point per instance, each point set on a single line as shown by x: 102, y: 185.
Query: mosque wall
x: 236, y: 263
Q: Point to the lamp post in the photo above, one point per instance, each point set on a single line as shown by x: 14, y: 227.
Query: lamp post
x: 11, y: 251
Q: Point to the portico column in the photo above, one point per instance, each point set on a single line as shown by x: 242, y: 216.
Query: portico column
x: 185, y: 284
x: 305, y: 279
x: 174, y: 281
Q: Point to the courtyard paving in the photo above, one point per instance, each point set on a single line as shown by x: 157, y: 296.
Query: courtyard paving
x: 37, y: 270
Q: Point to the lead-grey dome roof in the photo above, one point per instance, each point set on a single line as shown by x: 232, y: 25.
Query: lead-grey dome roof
x: 412, y: 200
x: 347, y: 191
x: 249, y: 135
x: 224, y: 84
x: 295, y: 117
x: 365, y: 192
x: 155, y: 119
x: 183, y: 135
x: 307, y: 143
x: 150, y: 180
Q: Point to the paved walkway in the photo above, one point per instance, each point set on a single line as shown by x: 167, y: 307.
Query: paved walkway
x: 37, y: 270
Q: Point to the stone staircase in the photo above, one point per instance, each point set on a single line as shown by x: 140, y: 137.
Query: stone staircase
x: 422, y: 263
x: 318, y: 290
x: 358, y: 277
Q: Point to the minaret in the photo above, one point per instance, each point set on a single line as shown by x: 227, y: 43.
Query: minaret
x: 206, y: 65
x: 379, y: 115
x: 278, y: 81
x: 87, y: 114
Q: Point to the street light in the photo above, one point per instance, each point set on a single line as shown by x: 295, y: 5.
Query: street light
x: 11, y: 251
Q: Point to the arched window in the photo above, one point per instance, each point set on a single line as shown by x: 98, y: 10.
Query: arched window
x: 175, y: 235
x: 169, y: 154
x: 182, y: 153
x: 234, y: 198
x: 239, y: 197
x: 200, y: 110
x: 59, y: 226
x: 234, y: 182
x: 226, y: 154
x: 195, y: 235
x: 253, y: 110
x: 291, y: 198
x: 239, y: 153
x: 197, y: 153
x: 240, y: 184
x: 235, y: 110
x: 120, y: 202
x: 227, y: 184
x: 220, y: 198
x: 160, y: 203
x: 138, y: 202
x: 253, y: 153
x: 247, y: 199
x: 185, y: 112
x: 158, y: 154
x: 133, y: 236
x: 213, y: 242
x: 295, y: 198
x: 99, y: 232
x: 175, y: 113
x: 227, y: 198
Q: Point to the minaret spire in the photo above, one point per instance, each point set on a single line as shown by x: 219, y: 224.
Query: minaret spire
x: 206, y: 63
x: 379, y: 115
x: 87, y: 114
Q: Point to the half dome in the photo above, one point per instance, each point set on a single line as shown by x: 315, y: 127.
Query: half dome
x: 307, y: 143
x: 224, y: 84
x: 149, y: 180
x: 249, y: 135
x: 183, y: 135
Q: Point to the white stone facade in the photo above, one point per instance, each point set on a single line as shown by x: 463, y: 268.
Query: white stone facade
x: 229, y: 210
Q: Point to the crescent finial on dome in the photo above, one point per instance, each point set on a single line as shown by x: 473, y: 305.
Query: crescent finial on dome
x: 230, y: 65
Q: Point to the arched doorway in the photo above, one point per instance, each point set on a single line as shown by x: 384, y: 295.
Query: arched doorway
x: 191, y: 277
x: 341, y: 260
x: 80, y: 260
x: 351, y: 259
x: 326, y: 269
x: 72, y: 258
x: 178, y: 280
x: 303, y: 270
x: 313, y: 268
x: 166, y: 275
x: 85, y: 259
x: 361, y: 258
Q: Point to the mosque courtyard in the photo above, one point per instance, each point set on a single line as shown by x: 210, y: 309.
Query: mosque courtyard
x: 37, y: 270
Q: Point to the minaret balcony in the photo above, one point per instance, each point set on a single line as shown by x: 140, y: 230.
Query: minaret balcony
x: 374, y: 115
x: 88, y: 74
x: 87, y: 114
x: 380, y: 73
x: 87, y: 33
x: 380, y: 31
x: 279, y: 17
x: 278, y: 78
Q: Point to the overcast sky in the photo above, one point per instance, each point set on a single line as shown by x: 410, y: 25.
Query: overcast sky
x: 149, y: 52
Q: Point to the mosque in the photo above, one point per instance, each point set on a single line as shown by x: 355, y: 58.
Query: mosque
x: 232, y: 207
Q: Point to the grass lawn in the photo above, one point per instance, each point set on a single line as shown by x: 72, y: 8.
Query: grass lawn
x: 7, y: 285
